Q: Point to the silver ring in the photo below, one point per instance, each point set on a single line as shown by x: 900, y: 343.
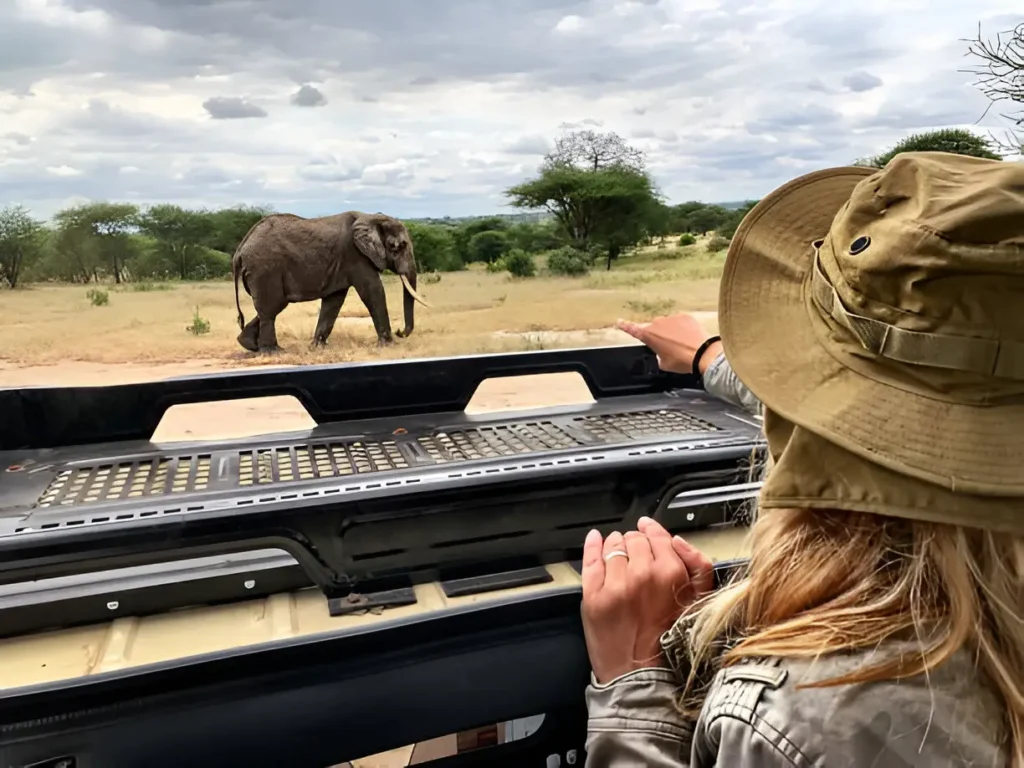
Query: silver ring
x: 615, y: 553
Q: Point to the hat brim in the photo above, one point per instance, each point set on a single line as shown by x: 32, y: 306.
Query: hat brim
x: 770, y: 332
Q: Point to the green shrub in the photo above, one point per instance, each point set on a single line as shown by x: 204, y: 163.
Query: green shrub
x: 200, y: 325
x: 429, y: 278
x: 717, y: 243
x: 687, y: 238
x: 208, y: 264
x: 434, y: 247
x: 569, y: 262
x: 498, y: 265
x: 98, y: 297
x: 519, y: 263
x: 489, y: 245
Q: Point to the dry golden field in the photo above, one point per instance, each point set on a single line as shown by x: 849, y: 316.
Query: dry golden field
x: 472, y: 312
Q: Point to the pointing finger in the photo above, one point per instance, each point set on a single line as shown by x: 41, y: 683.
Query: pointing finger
x: 637, y: 331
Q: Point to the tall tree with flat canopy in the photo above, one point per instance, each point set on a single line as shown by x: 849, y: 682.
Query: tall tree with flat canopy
x: 596, y: 187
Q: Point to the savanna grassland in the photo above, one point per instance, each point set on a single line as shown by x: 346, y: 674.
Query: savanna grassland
x: 473, y: 311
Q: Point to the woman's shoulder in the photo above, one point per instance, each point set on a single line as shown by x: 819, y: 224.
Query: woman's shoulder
x: 945, y: 718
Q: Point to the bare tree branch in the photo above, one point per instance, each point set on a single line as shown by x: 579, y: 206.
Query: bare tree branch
x: 592, y: 151
x: 1000, y: 76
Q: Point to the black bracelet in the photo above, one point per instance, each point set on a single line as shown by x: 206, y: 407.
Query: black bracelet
x: 700, y: 353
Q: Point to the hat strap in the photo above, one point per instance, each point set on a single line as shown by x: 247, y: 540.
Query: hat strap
x: 990, y: 357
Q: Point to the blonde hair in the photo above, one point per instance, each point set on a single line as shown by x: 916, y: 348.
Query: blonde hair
x: 826, y: 581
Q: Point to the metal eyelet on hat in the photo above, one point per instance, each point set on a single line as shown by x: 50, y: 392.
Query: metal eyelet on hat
x: 860, y: 245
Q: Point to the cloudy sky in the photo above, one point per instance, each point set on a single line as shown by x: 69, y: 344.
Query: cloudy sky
x: 434, y: 107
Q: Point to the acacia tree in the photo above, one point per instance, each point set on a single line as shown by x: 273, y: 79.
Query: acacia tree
x: 596, y: 188
x: 1000, y: 73
x: 96, y: 236
x: 21, y: 242
x: 180, y: 233
x: 593, y: 151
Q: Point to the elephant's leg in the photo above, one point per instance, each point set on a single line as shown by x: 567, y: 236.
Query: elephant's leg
x: 267, y: 339
x: 371, y: 291
x: 330, y: 306
x: 249, y: 337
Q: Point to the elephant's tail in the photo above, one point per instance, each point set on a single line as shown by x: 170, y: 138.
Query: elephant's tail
x: 236, y: 267
x: 234, y: 274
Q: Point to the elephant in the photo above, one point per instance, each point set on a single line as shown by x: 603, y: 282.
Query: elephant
x: 286, y: 258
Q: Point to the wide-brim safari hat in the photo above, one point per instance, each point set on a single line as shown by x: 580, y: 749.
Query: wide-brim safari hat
x: 883, y: 310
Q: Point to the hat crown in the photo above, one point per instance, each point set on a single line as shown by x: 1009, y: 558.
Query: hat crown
x: 933, y: 244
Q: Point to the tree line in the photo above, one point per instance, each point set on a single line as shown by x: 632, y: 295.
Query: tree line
x: 117, y: 242
x: 121, y: 242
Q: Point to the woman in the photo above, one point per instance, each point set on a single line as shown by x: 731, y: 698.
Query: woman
x: 881, y: 619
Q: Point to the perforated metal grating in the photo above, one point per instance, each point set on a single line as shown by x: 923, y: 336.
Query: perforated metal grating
x: 127, y: 480
x: 258, y: 467
x: 492, y: 442
x: 308, y: 462
x: 635, y: 425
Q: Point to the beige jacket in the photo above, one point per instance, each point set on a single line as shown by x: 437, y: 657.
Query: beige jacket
x: 754, y: 715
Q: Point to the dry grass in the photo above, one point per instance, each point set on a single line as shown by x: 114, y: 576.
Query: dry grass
x: 51, y: 324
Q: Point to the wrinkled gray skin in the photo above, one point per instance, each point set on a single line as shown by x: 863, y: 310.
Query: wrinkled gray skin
x: 286, y: 258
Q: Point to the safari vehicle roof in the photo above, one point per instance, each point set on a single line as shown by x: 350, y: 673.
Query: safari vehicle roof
x: 122, y: 558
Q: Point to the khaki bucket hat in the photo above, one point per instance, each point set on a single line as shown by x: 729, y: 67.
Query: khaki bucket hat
x: 883, y: 311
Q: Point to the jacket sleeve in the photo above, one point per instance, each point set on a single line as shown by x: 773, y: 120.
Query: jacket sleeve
x: 633, y: 721
x: 742, y: 744
x: 721, y: 382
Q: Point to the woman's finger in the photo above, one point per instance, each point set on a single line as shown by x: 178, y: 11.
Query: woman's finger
x: 639, y: 549
x: 698, y: 565
x: 593, y: 566
x: 635, y: 330
x: 660, y: 539
x: 615, y: 565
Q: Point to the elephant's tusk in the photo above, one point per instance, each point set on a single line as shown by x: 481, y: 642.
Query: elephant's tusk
x: 412, y: 291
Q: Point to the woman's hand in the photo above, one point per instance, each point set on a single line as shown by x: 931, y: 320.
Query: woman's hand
x: 630, y: 601
x: 675, y: 340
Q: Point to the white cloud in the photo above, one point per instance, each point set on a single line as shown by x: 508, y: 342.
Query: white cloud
x: 63, y: 170
x: 569, y: 24
x: 436, y: 108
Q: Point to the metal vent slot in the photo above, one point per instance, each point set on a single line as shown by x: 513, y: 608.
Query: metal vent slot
x: 308, y: 462
x: 496, y: 441
x: 127, y: 480
x: 616, y: 427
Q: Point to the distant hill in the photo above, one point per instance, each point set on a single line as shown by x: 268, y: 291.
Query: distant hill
x: 514, y: 218
x: 533, y: 218
x: 735, y: 205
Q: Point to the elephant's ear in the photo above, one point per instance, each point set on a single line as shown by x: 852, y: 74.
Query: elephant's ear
x: 367, y: 240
